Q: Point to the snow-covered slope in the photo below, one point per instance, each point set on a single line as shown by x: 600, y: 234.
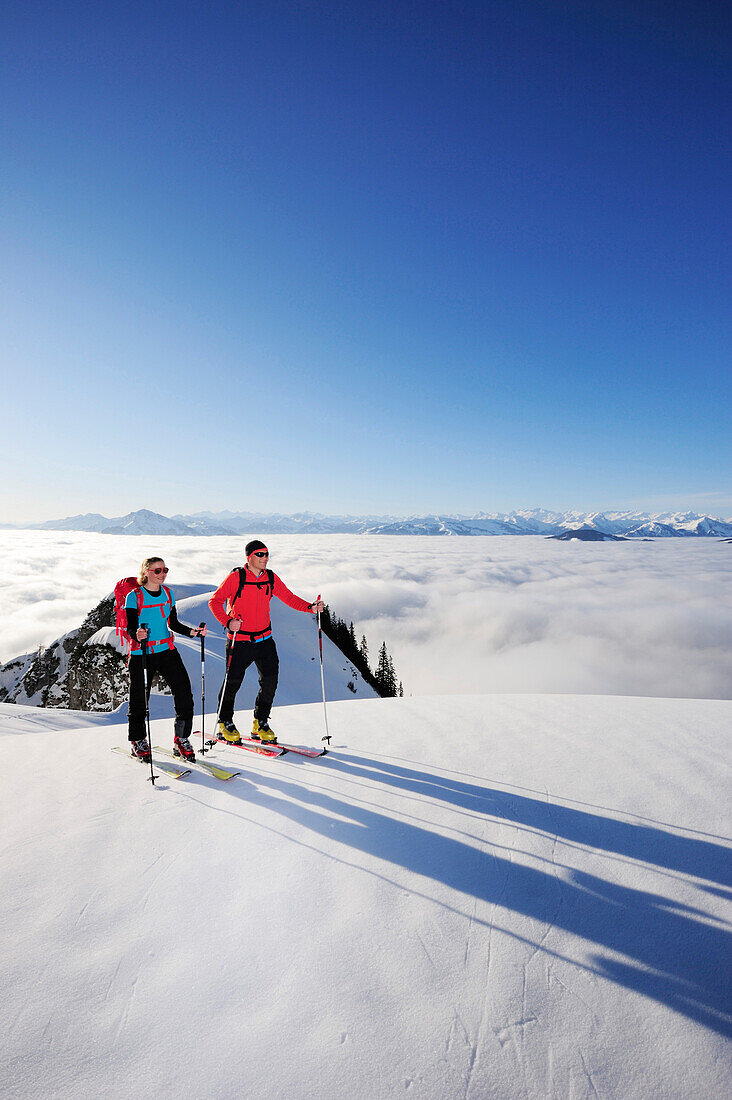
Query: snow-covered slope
x: 471, y: 897
x: 45, y: 680
x: 297, y: 646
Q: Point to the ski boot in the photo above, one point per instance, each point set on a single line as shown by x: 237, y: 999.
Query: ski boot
x: 183, y: 748
x: 181, y: 745
x: 141, y: 750
x: 227, y: 731
x: 261, y: 732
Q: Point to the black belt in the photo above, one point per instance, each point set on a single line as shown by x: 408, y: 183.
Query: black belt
x: 256, y: 636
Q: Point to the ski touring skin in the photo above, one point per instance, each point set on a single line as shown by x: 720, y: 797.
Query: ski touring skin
x: 288, y: 748
x: 213, y: 769
x: 175, y: 771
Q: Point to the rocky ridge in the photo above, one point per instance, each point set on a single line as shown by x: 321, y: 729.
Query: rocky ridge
x: 70, y: 673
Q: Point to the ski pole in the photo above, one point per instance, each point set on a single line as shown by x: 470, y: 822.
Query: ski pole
x: 203, y: 688
x: 226, y: 680
x: 145, y: 675
x: 322, y: 678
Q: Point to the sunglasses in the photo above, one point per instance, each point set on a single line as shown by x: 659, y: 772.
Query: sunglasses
x: 261, y: 554
x: 157, y: 572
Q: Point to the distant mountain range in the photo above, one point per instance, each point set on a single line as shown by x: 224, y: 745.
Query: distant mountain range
x: 531, y: 522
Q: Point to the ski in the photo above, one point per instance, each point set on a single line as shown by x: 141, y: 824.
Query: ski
x: 176, y: 771
x: 287, y: 748
x: 214, y: 769
x: 253, y: 746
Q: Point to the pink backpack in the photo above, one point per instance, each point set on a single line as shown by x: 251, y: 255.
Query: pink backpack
x: 121, y: 591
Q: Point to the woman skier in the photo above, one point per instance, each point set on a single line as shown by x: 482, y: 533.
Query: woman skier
x: 151, y: 615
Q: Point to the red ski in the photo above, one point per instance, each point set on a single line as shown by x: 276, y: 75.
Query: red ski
x: 246, y: 741
x: 253, y: 746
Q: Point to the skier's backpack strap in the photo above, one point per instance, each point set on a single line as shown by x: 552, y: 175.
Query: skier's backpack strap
x: 165, y: 609
x: 242, y: 582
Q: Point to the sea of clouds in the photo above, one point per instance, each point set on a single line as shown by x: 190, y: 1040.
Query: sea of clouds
x: 465, y: 615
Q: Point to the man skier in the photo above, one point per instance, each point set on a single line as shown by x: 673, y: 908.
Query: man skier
x: 241, y: 604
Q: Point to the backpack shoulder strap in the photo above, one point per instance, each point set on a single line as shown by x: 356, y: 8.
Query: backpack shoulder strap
x: 240, y: 570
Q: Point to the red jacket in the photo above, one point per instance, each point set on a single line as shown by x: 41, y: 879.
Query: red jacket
x: 252, y: 603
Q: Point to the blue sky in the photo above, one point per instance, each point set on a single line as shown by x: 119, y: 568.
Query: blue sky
x: 365, y: 257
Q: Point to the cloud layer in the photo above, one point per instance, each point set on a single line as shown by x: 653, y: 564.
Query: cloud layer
x: 458, y: 614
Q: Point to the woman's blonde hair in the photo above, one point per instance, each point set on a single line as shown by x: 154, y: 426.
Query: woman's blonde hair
x: 142, y: 574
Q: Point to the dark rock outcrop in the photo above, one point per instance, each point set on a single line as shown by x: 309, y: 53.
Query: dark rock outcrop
x: 69, y: 673
x: 587, y: 534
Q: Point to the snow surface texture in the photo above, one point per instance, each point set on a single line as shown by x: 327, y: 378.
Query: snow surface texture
x: 471, y: 897
x: 458, y: 615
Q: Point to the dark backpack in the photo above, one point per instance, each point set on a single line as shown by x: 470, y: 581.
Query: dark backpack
x: 268, y: 585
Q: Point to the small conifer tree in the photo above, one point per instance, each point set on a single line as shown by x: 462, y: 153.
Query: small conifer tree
x: 384, y: 679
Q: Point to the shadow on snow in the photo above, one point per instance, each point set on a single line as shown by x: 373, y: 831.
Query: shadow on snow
x: 671, y: 955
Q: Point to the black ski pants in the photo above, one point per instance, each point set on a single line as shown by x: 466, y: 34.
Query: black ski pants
x: 264, y: 656
x: 169, y: 665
